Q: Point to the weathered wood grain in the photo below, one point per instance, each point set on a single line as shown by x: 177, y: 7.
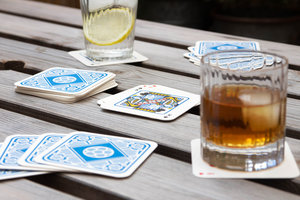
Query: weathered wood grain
x: 41, y: 58
x: 161, y: 57
x: 145, y: 30
x: 28, y: 190
x: 174, y: 137
x: 159, y: 177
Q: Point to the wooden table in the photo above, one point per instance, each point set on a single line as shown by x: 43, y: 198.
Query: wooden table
x: 36, y: 36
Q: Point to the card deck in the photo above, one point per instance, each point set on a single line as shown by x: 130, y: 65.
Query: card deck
x: 100, y: 154
x: 205, y: 47
x: 81, y: 56
x: 152, y: 101
x: 66, y: 85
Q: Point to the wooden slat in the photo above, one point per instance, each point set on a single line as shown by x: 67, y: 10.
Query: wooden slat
x: 127, y: 75
x: 147, y: 30
x: 159, y: 177
x: 28, y: 190
x: 160, y: 57
x: 172, y: 136
x: 171, y: 59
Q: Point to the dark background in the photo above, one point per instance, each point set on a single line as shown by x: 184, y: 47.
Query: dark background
x: 275, y: 20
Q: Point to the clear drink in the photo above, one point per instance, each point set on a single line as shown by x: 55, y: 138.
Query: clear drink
x: 108, y: 27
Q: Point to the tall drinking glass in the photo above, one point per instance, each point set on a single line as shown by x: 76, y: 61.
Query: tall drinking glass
x: 108, y: 27
x: 243, y: 109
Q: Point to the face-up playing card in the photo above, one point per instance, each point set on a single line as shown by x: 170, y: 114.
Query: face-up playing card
x: 13, y: 148
x: 205, y: 47
x: 11, y: 174
x: 81, y: 56
x: 40, y: 145
x: 152, y: 101
x: 64, y: 81
x: 287, y: 169
x: 100, y: 154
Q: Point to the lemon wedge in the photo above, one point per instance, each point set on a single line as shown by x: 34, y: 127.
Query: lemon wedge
x: 108, y: 27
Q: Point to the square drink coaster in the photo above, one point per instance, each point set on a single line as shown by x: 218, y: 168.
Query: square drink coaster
x: 81, y: 56
x: 287, y: 169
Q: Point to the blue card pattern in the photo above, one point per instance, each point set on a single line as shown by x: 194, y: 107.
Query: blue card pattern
x: 244, y: 61
x: 64, y: 80
x: 153, y: 102
x: 96, y: 152
x: 15, y: 149
x: 206, y: 47
x: 43, y: 145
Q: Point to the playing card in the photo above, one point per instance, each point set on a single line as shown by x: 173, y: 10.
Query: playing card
x: 40, y: 145
x: 192, y: 57
x: 191, y: 49
x: 13, y: 148
x: 287, y: 169
x: 81, y: 56
x: 11, y: 174
x: 205, y: 47
x: 96, y: 153
x: 64, y: 81
x: 152, y: 101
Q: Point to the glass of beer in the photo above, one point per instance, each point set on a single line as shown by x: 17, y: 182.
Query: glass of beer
x: 108, y: 27
x: 243, y: 109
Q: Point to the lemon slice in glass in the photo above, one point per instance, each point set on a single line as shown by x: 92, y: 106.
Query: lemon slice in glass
x: 108, y: 27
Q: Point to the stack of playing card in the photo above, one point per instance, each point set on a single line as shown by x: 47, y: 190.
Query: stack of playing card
x: 66, y: 85
x: 28, y: 155
x: 152, y: 101
x: 204, y: 47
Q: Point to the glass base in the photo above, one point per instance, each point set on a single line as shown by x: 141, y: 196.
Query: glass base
x: 109, y: 54
x: 251, y: 159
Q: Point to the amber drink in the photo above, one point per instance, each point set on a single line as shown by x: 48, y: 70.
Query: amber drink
x: 243, y: 114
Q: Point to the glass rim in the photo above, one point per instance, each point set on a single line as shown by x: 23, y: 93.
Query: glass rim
x: 245, y: 50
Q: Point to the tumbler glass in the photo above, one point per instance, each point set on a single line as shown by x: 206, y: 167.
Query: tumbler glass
x: 243, y: 109
x: 108, y: 27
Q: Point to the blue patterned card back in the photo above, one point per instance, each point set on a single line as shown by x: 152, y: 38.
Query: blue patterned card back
x: 64, y: 80
x: 100, y: 154
x: 11, y: 174
x: 13, y: 148
x: 43, y: 143
x: 205, y: 47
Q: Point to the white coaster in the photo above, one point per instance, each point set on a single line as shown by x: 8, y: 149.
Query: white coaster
x: 287, y: 169
x: 81, y: 56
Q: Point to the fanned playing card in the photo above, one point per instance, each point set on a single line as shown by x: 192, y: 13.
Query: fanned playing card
x: 11, y: 174
x: 40, y: 145
x: 152, y: 101
x: 13, y: 148
x: 96, y: 153
x: 66, y: 85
